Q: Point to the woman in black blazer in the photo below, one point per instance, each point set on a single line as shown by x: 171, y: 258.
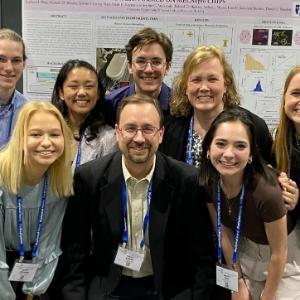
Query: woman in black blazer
x: 204, y: 88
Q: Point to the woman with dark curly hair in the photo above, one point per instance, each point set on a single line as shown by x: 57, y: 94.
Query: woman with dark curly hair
x: 78, y: 95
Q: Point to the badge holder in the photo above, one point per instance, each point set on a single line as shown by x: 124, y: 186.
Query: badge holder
x: 23, y: 271
x: 125, y: 257
x: 129, y: 259
x: 227, y: 278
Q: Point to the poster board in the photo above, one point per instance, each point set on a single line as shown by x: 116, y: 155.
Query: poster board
x: 261, y: 39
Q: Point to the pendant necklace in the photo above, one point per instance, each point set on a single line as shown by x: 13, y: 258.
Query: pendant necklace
x: 229, y: 205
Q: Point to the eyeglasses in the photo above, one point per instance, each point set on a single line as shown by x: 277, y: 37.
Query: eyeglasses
x: 130, y: 132
x: 155, y: 63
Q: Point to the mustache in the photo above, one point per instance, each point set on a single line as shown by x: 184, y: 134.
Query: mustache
x: 139, y: 145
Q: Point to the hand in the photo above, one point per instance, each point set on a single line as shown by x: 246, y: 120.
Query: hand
x: 264, y: 296
x: 243, y: 293
x: 290, y: 191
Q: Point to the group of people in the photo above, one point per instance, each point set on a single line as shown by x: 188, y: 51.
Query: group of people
x: 187, y: 197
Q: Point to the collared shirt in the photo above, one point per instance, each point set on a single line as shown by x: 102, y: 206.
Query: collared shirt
x: 136, y: 210
x: 6, y: 111
x: 113, y: 99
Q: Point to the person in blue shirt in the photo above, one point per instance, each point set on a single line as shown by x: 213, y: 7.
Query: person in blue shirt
x: 149, y: 55
x: 12, y: 64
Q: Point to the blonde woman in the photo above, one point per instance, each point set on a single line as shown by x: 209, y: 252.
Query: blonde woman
x: 286, y: 148
x: 286, y: 145
x: 35, y: 179
x: 201, y: 91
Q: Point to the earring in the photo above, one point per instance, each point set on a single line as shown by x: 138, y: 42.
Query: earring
x: 250, y: 160
x: 224, y: 98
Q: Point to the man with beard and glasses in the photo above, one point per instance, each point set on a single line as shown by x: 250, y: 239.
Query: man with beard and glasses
x: 149, y: 55
x: 150, y: 227
x: 12, y: 64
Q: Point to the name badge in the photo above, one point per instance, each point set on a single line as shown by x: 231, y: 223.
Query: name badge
x: 23, y: 271
x: 129, y: 259
x: 227, y: 278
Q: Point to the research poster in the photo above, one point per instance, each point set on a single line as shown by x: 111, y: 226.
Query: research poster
x: 261, y: 39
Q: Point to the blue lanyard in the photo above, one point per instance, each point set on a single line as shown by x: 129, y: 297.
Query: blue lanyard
x: 146, y: 218
x: 78, y: 156
x: 9, y: 129
x: 40, y: 221
x: 189, y: 148
x: 238, y: 225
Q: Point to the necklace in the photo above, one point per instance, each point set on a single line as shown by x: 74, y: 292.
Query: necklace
x: 229, y: 198
x: 297, y: 138
x: 229, y: 204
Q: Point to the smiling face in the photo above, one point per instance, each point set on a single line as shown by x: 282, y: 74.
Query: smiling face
x: 148, y: 80
x: 292, y: 101
x: 206, y: 86
x: 80, y: 91
x: 11, y: 65
x: 230, y: 150
x: 138, y: 149
x: 44, y: 140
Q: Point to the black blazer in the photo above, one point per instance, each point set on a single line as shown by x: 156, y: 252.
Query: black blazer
x: 177, y: 129
x: 179, y: 231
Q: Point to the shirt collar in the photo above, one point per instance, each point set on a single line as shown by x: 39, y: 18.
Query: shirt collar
x: 10, y: 101
x: 127, y: 175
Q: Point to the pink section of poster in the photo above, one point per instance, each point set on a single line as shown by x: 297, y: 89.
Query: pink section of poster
x: 257, y: 8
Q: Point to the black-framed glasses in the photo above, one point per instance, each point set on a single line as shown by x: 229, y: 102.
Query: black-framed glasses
x: 155, y: 63
x: 130, y: 132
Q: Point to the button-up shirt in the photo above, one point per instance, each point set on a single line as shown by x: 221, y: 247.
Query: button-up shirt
x: 136, y: 211
x: 8, y: 116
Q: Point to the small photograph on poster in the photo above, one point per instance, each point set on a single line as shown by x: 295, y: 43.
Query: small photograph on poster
x: 297, y: 38
x: 112, y: 68
x: 281, y: 37
x: 296, y: 9
x: 260, y: 37
x: 245, y: 36
x: 41, y: 79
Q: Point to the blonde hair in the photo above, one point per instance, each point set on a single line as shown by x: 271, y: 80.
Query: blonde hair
x: 179, y: 103
x: 12, y: 157
x: 8, y: 34
x: 283, y: 143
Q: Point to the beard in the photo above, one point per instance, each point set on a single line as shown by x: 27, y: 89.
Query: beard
x: 139, y: 158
